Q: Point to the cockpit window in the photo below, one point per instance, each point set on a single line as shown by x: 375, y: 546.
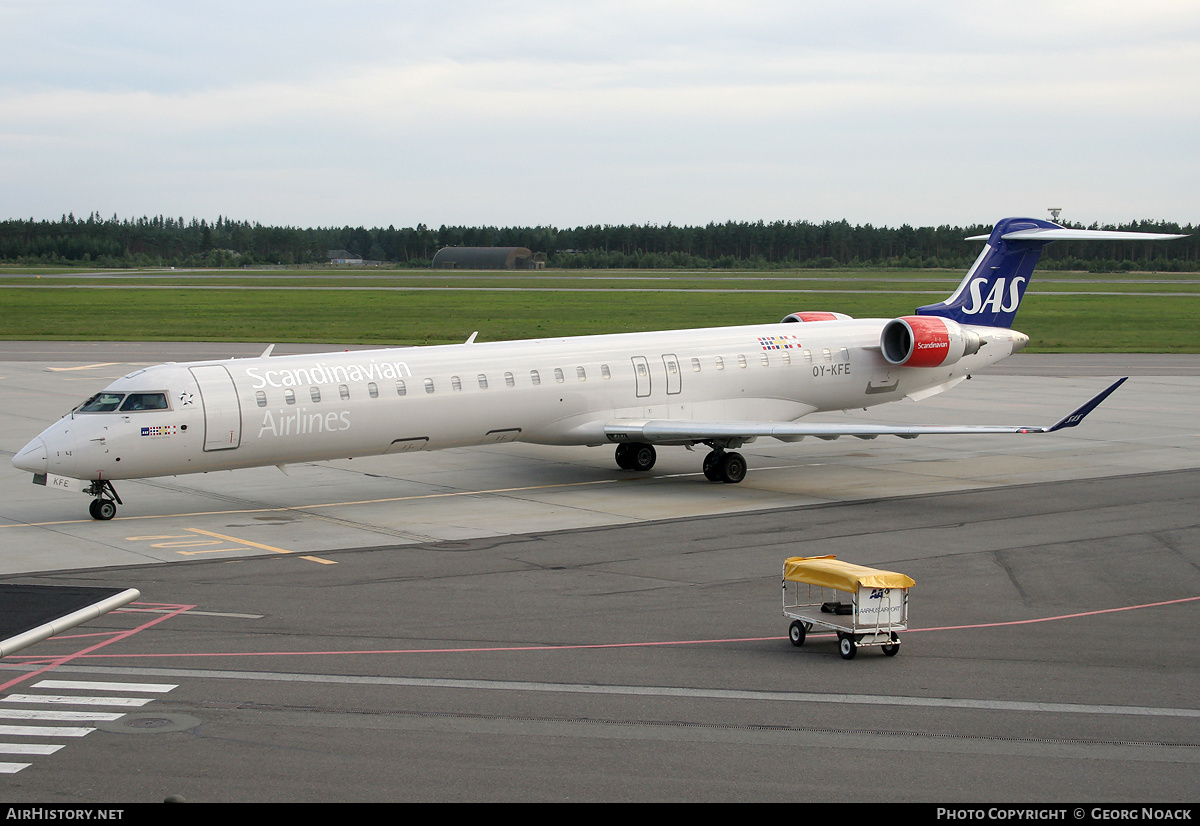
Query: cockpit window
x: 145, y: 401
x: 102, y: 403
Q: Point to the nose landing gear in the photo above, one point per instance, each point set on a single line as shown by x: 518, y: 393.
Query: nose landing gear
x: 104, y: 506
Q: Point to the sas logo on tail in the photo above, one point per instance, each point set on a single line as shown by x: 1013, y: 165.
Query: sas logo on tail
x: 995, y: 299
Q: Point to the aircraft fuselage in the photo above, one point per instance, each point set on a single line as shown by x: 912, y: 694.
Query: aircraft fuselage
x: 279, y: 410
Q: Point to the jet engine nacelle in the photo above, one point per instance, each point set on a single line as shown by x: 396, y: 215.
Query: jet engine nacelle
x: 927, y: 341
x: 815, y: 316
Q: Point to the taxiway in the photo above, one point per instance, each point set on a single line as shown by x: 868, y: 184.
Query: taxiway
x: 526, y: 623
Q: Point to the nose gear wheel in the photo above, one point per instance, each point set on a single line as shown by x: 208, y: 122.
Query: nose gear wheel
x: 104, y: 506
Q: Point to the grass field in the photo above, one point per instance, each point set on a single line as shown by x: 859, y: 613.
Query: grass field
x: 1062, y: 312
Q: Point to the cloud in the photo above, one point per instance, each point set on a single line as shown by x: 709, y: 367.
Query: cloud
x: 525, y: 112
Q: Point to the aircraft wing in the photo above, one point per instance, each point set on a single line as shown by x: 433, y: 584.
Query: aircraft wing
x: 683, y: 431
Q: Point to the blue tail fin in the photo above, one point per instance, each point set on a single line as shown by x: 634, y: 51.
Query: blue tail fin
x: 991, y: 292
x: 993, y: 287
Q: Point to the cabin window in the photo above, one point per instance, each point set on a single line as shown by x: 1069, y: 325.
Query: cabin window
x: 455, y: 383
x: 344, y: 392
x: 808, y: 356
x: 509, y: 380
x: 695, y: 365
x: 261, y: 398
x: 400, y: 388
x: 844, y: 354
x: 428, y: 385
x: 373, y: 390
x: 315, y: 392
x: 825, y: 354
x: 787, y: 357
x: 581, y: 374
x: 720, y: 363
x: 741, y: 360
x: 289, y: 396
x: 535, y: 377
x: 558, y: 375
x: 766, y: 361
x: 145, y: 401
x: 605, y: 373
x: 482, y: 382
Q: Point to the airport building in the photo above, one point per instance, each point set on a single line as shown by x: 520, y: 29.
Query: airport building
x: 343, y: 257
x: 485, y: 258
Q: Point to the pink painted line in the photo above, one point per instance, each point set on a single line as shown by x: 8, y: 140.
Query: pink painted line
x: 1060, y: 617
x: 58, y: 661
x: 83, y: 636
x: 85, y: 654
x: 432, y: 650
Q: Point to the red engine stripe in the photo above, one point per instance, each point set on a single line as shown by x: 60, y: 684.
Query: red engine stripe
x: 931, y: 341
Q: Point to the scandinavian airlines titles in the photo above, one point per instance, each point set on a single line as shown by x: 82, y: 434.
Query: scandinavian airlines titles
x: 321, y: 373
x: 302, y: 422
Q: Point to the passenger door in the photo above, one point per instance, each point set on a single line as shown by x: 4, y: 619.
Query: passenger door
x: 674, y: 377
x: 222, y: 410
x: 641, y: 373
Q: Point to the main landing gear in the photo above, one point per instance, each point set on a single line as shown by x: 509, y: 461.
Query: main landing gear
x: 724, y: 466
x: 720, y: 465
x: 104, y: 506
x: 636, y: 456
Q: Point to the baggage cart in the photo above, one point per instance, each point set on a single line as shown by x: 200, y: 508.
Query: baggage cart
x: 863, y: 606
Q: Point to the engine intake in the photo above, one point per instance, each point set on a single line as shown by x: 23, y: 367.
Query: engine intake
x: 815, y: 316
x: 927, y: 341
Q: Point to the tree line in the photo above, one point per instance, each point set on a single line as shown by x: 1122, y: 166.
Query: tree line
x: 168, y: 241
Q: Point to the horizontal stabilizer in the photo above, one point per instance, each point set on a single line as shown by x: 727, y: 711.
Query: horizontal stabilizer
x: 991, y: 292
x: 667, y: 431
x: 1062, y: 234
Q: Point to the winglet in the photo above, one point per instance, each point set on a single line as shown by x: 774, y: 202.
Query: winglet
x: 1075, y: 417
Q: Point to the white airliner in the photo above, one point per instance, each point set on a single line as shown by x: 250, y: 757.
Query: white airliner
x: 720, y: 387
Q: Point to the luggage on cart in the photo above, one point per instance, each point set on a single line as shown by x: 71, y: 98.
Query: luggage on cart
x: 815, y: 592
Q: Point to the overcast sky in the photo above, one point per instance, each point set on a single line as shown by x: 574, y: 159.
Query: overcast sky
x: 570, y: 113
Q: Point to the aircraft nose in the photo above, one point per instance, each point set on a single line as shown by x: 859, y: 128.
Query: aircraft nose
x: 33, y: 457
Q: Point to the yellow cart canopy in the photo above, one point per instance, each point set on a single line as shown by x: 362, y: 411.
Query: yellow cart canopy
x: 830, y: 572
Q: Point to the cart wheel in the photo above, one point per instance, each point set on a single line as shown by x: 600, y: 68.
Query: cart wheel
x: 892, y: 648
x: 847, y: 648
x: 796, y: 633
